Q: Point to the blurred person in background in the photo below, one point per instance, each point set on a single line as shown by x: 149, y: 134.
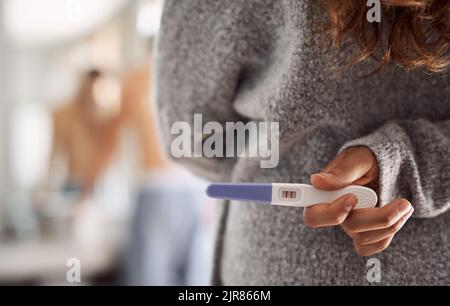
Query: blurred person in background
x: 167, y: 241
x: 86, y: 133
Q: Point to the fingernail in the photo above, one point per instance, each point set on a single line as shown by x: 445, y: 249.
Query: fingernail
x: 349, y: 201
x: 325, y: 174
x: 405, y: 206
x: 409, y: 213
x: 349, y: 206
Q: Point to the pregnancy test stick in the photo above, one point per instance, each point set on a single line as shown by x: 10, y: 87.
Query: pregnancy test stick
x: 299, y: 195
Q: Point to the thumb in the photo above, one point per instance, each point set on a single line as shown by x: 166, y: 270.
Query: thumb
x: 348, y: 167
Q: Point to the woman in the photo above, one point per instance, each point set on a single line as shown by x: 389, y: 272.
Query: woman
x: 383, y: 123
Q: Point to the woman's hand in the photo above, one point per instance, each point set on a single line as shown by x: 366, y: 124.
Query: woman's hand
x: 371, y: 229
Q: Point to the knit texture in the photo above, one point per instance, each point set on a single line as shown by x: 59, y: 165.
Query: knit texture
x: 263, y: 60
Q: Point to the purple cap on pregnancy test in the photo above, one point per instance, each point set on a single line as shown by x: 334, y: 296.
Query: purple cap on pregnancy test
x: 253, y: 192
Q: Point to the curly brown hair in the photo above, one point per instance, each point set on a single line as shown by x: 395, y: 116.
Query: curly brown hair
x: 417, y: 32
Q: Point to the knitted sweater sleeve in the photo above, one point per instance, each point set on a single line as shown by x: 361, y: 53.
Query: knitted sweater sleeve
x: 203, y: 52
x: 414, y: 162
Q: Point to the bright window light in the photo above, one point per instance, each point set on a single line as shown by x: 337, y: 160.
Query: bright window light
x: 149, y: 17
x: 49, y: 21
x: 30, y: 144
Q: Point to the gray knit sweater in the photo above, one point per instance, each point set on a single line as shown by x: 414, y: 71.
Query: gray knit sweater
x: 234, y: 60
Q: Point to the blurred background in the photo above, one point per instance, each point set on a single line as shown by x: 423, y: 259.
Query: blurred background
x: 82, y: 172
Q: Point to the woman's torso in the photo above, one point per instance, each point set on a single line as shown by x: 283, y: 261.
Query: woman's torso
x: 319, y: 109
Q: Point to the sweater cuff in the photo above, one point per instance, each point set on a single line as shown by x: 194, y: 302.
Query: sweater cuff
x: 388, y: 154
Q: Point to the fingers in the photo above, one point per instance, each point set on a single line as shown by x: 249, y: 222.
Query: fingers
x: 373, y: 229
x: 354, y: 165
x: 371, y: 237
x: 329, y: 214
x: 371, y: 249
x: 369, y: 219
